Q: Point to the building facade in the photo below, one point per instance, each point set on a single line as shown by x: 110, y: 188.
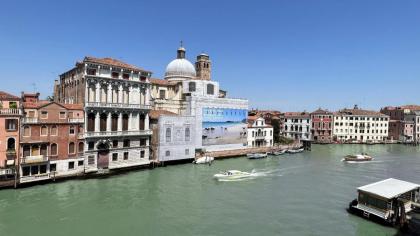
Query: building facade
x: 322, y: 126
x: 52, y: 143
x: 116, y: 99
x: 297, y: 126
x: 360, y: 126
x: 403, y: 124
x: 260, y: 134
x: 10, y: 114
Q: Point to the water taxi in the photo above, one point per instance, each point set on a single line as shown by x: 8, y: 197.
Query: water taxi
x: 387, y: 201
x: 358, y: 157
x: 204, y: 160
x: 256, y: 155
x: 231, y: 174
x: 295, y: 150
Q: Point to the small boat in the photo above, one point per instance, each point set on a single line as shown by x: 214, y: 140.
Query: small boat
x: 256, y: 155
x: 295, y: 150
x: 204, y: 160
x: 277, y: 153
x: 232, y: 174
x: 358, y: 157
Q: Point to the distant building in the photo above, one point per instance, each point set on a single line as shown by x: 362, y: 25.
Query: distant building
x: 322, y: 125
x: 297, y: 126
x: 116, y: 99
x: 361, y: 126
x: 52, y: 143
x: 260, y: 134
x: 404, y: 125
x: 10, y: 114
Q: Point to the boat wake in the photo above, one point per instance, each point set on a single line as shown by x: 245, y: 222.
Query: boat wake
x: 360, y: 162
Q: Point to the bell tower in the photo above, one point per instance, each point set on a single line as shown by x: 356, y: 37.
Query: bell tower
x: 203, y: 67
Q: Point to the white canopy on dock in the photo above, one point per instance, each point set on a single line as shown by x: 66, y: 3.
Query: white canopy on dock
x: 389, y: 188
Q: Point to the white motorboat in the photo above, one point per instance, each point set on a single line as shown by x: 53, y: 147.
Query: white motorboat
x: 277, y: 153
x: 231, y: 174
x: 256, y: 155
x: 358, y: 157
x: 295, y: 150
x: 204, y: 160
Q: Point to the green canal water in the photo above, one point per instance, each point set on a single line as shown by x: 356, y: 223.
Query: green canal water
x: 299, y: 194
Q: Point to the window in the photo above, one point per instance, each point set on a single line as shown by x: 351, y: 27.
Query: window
x: 187, y: 151
x: 114, y: 156
x: 44, y: 114
x: 126, y: 143
x: 26, y: 171
x: 80, y: 163
x: 71, y: 129
x: 115, y: 75
x: 168, y: 135
x: 81, y: 147
x: 13, y: 105
x: 53, y: 150
x: 114, y: 122
x: 71, y: 165
x: 142, y: 154
x: 91, y: 71
x: 143, y: 78
x: 142, y: 119
x: 167, y: 153
x: 126, y: 76
x: 162, y: 94
x: 91, y: 145
x: 11, y: 144
x: 71, y: 148
x: 102, y: 123
x: 43, y: 150
x: 125, y: 155
x: 191, y: 86
x: 91, y: 122
x: 114, y: 143
x: 53, y: 167
x: 62, y: 115
x: 142, y: 142
x: 210, y: 89
x: 11, y: 124
x: 26, y: 131
x: 125, y: 122
x: 187, y: 134
x: 34, y: 170
x: 54, y: 130
x: 91, y: 160
x: 44, y: 130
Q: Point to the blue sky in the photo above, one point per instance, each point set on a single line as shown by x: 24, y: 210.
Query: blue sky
x: 286, y: 55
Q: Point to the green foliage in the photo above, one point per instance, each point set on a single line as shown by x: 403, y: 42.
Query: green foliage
x: 284, y: 140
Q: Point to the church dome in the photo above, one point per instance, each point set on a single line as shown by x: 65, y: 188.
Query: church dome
x: 180, y: 68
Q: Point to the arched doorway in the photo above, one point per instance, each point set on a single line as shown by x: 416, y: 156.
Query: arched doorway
x: 103, y: 155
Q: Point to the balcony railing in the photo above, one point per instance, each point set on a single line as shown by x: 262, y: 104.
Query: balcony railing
x: 117, y: 133
x: 76, y: 120
x: 7, y: 171
x: 10, y: 111
x: 34, y: 159
x: 38, y: 177
x: 35, y: 120
x: 118, y: 105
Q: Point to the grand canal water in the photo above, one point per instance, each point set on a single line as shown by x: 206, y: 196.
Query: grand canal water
x: 300, y: 194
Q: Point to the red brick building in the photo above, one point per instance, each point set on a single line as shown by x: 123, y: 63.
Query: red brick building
x: 51, y: 143
x: 322, y: 121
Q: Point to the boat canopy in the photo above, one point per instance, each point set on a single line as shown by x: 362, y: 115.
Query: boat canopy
x: 389, y: 188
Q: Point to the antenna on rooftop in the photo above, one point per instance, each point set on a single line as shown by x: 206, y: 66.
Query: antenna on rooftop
x: 34, y: 87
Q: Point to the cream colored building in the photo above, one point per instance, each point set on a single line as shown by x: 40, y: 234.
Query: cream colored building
x: 259, y: 133
x: 360, y: 126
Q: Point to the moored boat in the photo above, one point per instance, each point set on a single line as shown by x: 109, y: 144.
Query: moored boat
x: 358, y: 157
x: 295, y: 150
x: 231, y: 174
x: 204, y: 160
x: 277, y: 153
x: 256, y: 155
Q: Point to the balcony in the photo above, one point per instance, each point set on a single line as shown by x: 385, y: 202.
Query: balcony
x: 11, y: 153
x: 118, y: 105
x: 35, y: 120
x: 33, y: 178
x: 76, y: 120
x: 117, y: 133
x: 34, y: 159
x: 7, y: 171
x: 10, y: 111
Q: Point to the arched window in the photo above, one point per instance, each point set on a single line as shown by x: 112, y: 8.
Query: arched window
x: 191, y: 86
x: 71, y: 148
x: 141, y: 124
x: 81, y: 146
x: 53, y: 150
x: 187, y: 134
x: 125, y: 122
x: 102, y: 124
x: 210, y: 89
x: 167, y: 153
x: 11, y: 144
x: 114, y: 122
x: 54, y: 130
x: 168, y: 135
x: 26, y: 131
x: 43, y: 150
x: 44, y: 130
x: 91, y: 122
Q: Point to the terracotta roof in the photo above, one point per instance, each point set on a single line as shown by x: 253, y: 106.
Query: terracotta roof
x: 410, y: 107
x: 154, y: 114
x: 297, y: 114
x: 321, y: 111
x: 39, y: 104
x: 359, y: 112
x: 73, y: 106
x: 7, y: 96
x: 113, y: 62
x: 159, y: 81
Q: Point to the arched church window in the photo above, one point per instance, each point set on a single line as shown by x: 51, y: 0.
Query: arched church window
x: 168, y: 135
x: 191, y: 86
